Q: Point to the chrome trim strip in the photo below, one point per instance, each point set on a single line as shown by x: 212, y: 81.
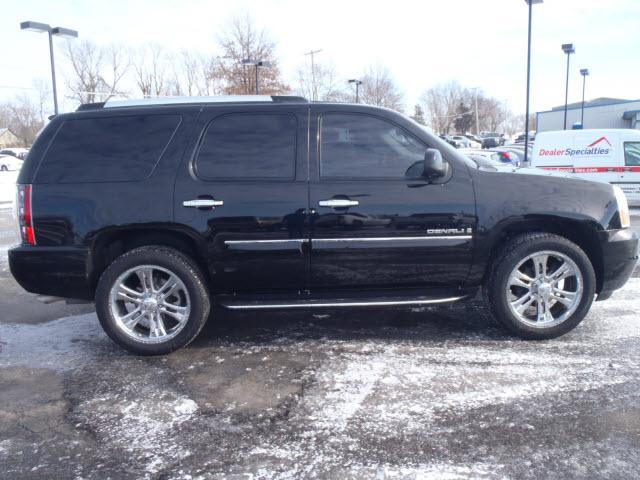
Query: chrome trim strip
x: 203, y: 202
x: 338, y: 203
x: 350, y: 239
x: 274, y: 241
x: 345, y: 304
x: 391, y: 239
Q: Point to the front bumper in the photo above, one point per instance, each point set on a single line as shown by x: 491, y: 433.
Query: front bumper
x: 55, y: 271
x: 619, y: 258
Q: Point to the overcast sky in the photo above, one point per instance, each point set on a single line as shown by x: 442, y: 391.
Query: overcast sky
x: 480, y: 43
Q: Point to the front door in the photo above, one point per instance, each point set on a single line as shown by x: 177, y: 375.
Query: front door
x: 374, y: 227
x: 244, y: 190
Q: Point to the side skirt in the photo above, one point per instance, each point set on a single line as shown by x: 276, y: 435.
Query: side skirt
x: 341, y: 299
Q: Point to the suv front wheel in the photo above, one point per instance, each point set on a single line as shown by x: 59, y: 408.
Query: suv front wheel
x: 541, y: 286
x: 152, y: 300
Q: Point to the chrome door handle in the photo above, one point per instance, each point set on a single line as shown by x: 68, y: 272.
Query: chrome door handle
x: 338, y: 203
x: 203, y: 203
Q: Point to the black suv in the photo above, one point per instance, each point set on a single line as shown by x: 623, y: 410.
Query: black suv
x: 157, y: 210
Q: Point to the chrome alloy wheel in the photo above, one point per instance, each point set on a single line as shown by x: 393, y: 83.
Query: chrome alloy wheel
x: 149, y: 304
x: 544, y: 289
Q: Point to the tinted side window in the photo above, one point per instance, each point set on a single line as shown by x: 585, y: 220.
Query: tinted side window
x: 361, y: 146
x: 107, y: 149
x: 632, y: 154
x: 248, y: 146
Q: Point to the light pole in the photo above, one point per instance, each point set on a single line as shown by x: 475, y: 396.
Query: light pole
x: 257, y: 64
x: 358, y: 83
x: 526, y: 116
x: 568, y: 49
x: 58, y: 32
x: 584, y: 72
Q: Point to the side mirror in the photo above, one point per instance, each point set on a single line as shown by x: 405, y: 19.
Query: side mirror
x: 434, y: 165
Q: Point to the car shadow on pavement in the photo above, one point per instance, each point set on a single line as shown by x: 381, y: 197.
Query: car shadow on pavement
x: 465, y: 321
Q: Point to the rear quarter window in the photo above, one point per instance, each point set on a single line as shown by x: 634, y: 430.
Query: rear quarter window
x: 107, y: 149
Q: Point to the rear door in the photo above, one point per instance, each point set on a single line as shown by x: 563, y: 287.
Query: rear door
x: 244, y: 191
x: 371, y: 227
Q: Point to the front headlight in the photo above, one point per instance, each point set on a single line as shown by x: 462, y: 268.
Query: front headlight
x: 623, y: 207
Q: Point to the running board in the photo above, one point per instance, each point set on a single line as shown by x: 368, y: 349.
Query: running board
x: 267, y: 302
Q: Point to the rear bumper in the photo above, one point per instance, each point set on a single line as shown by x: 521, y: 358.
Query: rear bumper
x: 55, y: 271
x: 619, y: 258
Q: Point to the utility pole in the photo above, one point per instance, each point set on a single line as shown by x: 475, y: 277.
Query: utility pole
x: 314, y: 85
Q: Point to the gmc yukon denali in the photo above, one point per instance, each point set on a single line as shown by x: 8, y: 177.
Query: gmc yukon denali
x: 157, y: 209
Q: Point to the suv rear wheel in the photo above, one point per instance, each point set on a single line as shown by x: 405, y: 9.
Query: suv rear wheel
x: 152, y: 300
x: 542, y: 286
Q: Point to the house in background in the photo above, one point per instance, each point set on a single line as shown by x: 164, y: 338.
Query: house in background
x: 8, y: 139
x: 598, y: 113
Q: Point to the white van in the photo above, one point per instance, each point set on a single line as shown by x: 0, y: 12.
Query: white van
x: 608, y: 155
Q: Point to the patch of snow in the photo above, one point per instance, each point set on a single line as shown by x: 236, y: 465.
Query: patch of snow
x: 143, y: 427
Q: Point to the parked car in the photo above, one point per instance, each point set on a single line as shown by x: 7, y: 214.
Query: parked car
x: 149, y: 209
x: 462, y: 141
x: 513, y: 155
x: 520, y: 138
x: 451, y: 141
x: 495, y: 155
x: 9, y: 162
x: 20, y: 153
x: 610, y: 155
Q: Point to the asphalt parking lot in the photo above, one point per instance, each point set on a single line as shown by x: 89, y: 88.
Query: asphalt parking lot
x: 383, y: 394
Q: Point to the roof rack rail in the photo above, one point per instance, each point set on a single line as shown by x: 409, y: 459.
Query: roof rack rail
x: 90, y: 106
x: 111, y: 103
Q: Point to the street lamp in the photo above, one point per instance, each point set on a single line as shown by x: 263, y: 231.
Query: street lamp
x: 584, y: 72
x: 257, y: 64
x: 58, y: 32
x: 568, y: 49
x: 358, y: 83
x: 526, y: 117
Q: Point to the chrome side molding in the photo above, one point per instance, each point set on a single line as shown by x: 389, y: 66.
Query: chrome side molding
x: 379, y: 303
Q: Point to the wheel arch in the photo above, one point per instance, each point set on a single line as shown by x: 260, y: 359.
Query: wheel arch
x: 581, y: 232
x: 110, y: 244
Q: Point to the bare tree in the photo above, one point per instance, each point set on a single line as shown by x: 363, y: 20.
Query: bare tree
x: 324, y: 79
x: 97, y: 70
x: 242, y: 40
x: 23, y: 116
x: 86, y: 60
x: 117, y: 61
x: 441, y: 104
x: 151, y: 73
x: 379, y: 88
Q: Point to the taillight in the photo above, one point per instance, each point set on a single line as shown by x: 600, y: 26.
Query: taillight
x: 25, y: 214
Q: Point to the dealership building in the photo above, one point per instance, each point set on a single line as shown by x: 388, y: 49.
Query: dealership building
x: 598, y: 113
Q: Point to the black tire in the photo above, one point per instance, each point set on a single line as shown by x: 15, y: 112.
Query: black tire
x: 4, y: 168
x: 518, y: 249
x: 177, y: 263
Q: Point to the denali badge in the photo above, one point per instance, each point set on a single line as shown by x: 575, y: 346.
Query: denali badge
x: 448, y: 231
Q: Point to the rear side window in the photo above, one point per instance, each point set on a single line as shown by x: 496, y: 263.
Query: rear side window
x: 111, y: 149
x: 632, y: 154
x: 248, y: 146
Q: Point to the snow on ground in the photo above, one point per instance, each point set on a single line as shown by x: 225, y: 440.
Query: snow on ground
x: 390, y: 402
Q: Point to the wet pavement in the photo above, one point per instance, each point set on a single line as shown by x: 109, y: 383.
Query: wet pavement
x: 338, y: 394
